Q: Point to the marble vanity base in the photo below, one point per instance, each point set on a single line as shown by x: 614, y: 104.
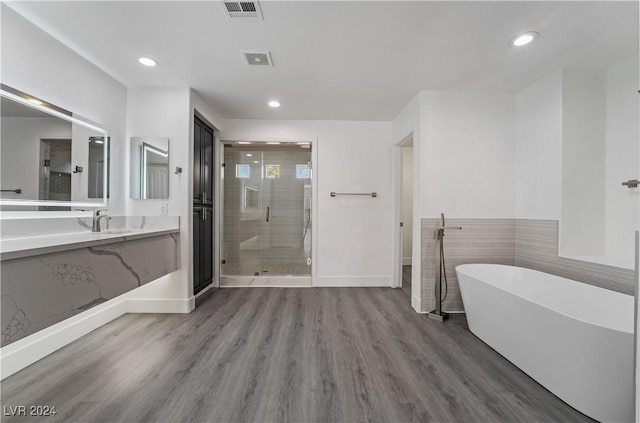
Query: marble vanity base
x: 40, y: 291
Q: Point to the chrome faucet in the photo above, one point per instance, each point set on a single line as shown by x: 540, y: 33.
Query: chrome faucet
x: 96, y: 220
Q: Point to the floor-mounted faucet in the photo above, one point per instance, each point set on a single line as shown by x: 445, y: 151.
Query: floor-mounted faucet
x: 438, y: 314
x: 96, y: 220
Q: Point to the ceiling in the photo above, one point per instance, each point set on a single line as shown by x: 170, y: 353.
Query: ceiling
x: 336, y: 59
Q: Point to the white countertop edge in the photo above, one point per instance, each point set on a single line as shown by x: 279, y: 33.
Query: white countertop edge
x: 57, y: 243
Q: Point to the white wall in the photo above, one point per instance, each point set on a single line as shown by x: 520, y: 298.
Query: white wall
x: 622, y: 146
x: 467, y: 154
x: 168, y: 113
x: 583, y: 164
x: 407, y: 204
x: 354, y: 234
x: 160, y: 112
x: 20, y: 151
x: 539, y: 149
x: 164, y: 112
x: 36, y: 63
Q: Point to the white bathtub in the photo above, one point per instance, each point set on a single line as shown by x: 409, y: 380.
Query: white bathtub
x: 574, y: 339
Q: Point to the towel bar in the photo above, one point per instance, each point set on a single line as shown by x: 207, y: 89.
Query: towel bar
x: 372, y: 194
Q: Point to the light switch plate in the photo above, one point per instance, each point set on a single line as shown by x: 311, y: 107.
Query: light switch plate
x: 164, y: 209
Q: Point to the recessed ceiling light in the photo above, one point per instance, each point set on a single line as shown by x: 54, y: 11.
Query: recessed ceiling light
x: 147, y: 61
x: 35, y: 101
x: 99, y: 142
x: 523, y: 39
x: 274, y: 103
x: 256, y: 161
x: 273, y: 142
x: 243, y: 142
x: 249, y: 155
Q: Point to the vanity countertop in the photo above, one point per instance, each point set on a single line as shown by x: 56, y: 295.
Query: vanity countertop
x: 26, y: 246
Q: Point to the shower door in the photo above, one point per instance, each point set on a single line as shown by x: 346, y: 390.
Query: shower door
x: 267, y: 211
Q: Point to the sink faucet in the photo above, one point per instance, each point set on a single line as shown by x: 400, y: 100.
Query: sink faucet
x: 96, y: 220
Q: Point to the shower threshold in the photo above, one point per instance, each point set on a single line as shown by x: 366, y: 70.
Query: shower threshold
x: 265, y: 281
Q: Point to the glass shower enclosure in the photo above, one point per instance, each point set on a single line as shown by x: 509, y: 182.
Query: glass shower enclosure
x: 266, y: 222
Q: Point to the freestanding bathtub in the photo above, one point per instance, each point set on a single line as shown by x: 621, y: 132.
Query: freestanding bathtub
x: 575, y: 339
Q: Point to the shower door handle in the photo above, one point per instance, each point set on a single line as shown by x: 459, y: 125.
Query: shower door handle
x: 268, y: 213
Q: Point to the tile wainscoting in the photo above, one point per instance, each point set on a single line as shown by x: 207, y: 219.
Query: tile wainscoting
x: 479, y: 241
x: 537, y: 248
x: 522, y: 242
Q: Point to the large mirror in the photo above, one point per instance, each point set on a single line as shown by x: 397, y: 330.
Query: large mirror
x: 149, y: 168
x: 46, y: 156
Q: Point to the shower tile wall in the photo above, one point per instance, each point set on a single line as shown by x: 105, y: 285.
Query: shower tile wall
x: 537, y: 248
x: 479, y: 241
x: 522, y: 242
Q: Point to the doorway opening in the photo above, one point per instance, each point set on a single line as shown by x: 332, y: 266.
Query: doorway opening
x: 55, y: 172
x: 266, y: 223
x: 406, y: 214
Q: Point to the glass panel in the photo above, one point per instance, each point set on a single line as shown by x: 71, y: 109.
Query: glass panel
x: 243, y: 213
x: 267, y: 212
x: 286, y: 193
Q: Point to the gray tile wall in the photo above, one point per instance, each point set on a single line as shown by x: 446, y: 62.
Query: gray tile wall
x: 479, y: 241
x: 537, y: 248
x: 522, y: 242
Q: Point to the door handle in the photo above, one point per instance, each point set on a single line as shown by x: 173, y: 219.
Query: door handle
x: 631, y: 183
x: 268, y: 213
x: 204, y: 214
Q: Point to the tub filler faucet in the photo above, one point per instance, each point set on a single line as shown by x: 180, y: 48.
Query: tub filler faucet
x: 437, y: 313
x: 97, y: 217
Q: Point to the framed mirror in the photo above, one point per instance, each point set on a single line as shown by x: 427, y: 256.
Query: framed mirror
x: 149, y: 168
x: 44, y: 155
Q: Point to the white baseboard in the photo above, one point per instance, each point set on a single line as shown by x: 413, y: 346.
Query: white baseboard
x: 136, y: 305
x: 406, y: 261
x: 23, y: 352
x: 353, y: 281
x: 416, y: 303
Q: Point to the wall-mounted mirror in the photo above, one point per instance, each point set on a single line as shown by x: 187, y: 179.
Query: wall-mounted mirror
x: 96, y: 173
x: 149, y: 168
x: 44, y: 156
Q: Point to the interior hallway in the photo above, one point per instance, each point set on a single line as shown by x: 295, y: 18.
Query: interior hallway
x: 277, y: 355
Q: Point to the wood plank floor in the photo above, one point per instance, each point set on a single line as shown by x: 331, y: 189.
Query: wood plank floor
x: 406, y: 281
x: 284, y: 355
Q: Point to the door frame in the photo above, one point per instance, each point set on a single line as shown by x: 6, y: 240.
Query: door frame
x: 219, y: 203
x: 416, y: 271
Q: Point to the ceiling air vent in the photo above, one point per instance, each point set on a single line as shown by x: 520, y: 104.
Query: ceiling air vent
x: 258, y: 58
x: 242, y: 9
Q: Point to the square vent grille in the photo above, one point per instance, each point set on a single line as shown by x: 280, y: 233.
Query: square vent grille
x: 242, y: 9
x: 258, y: 58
